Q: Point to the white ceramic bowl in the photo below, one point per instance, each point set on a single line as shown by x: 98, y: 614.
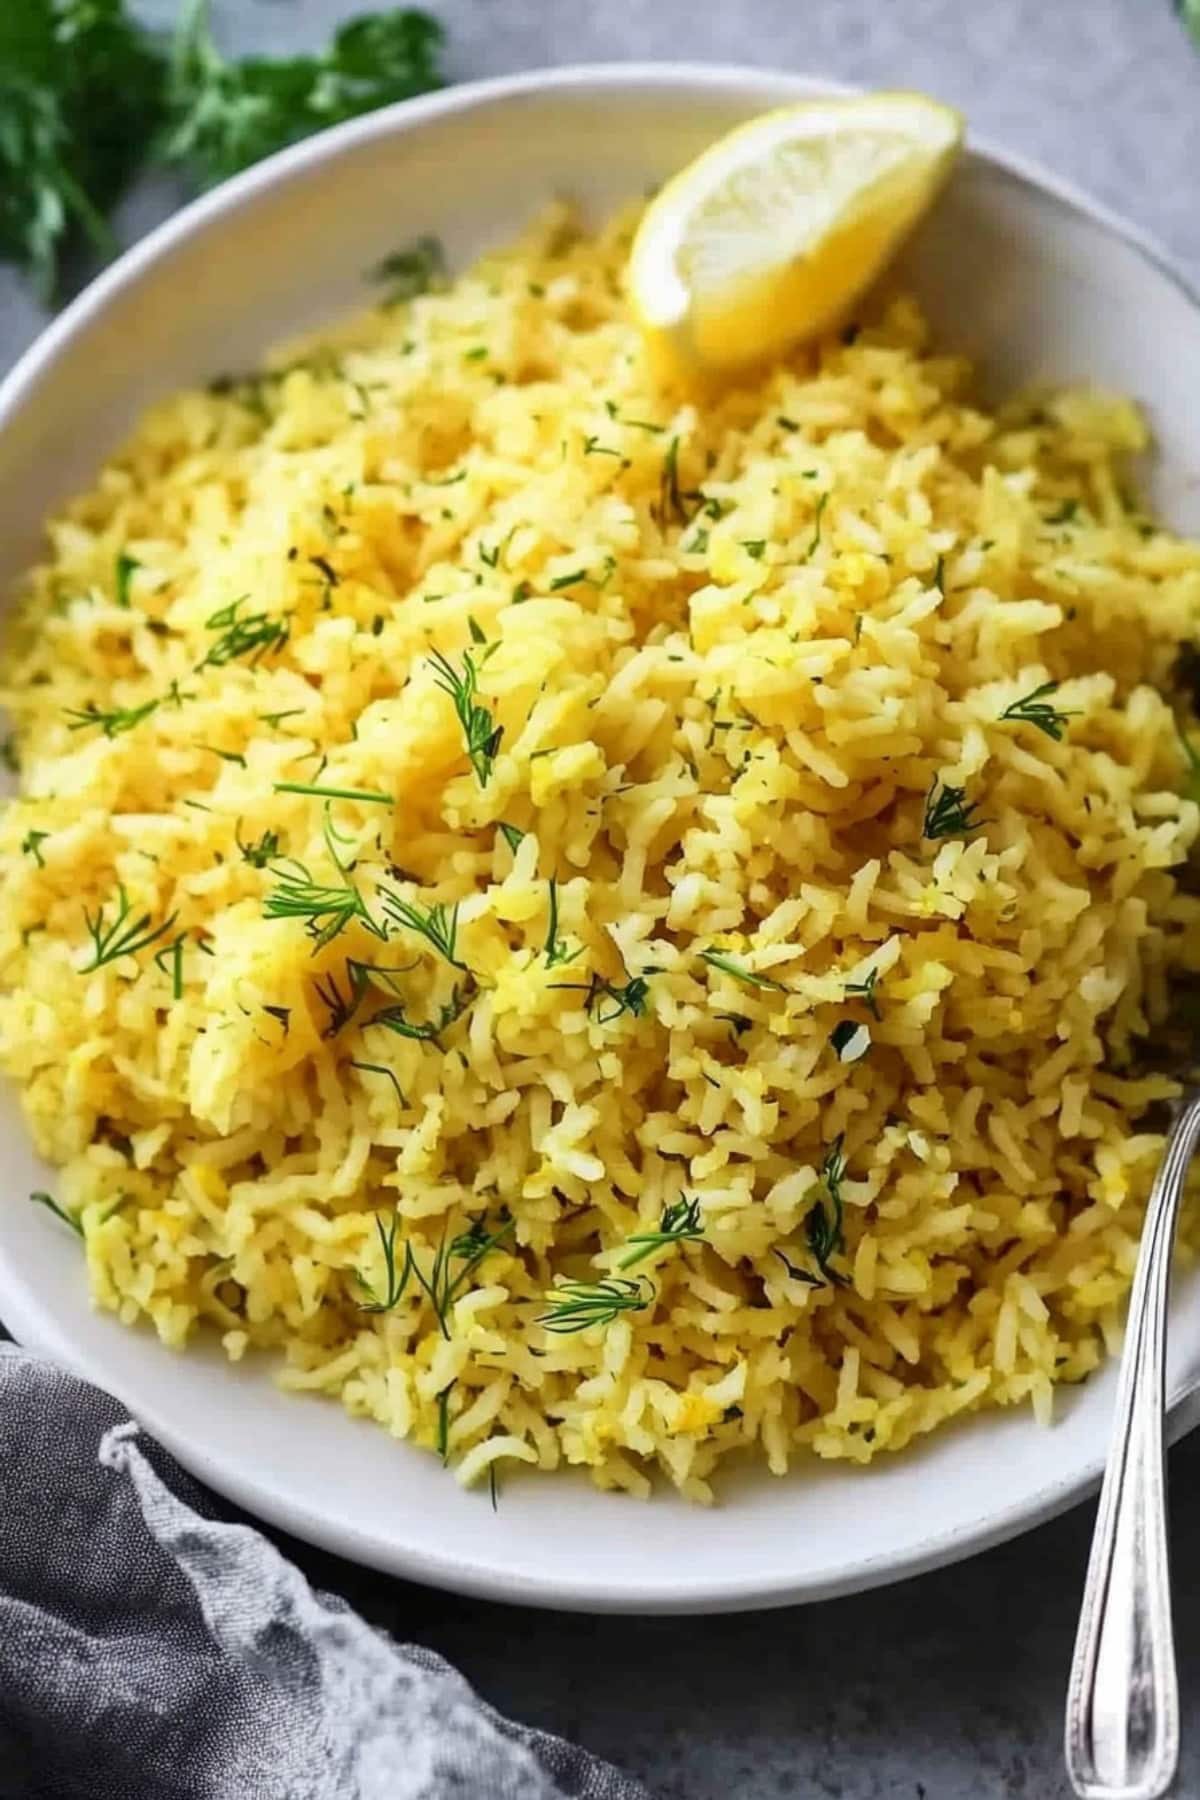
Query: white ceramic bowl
x: 1030, y: 278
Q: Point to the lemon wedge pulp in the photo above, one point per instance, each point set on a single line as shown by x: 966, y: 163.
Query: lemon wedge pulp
x: 774, y: 232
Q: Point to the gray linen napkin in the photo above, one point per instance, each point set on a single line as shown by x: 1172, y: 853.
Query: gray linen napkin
x: 151, y: 1651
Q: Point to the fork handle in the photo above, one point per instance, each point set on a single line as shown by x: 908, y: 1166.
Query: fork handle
x: 1122, y: 1723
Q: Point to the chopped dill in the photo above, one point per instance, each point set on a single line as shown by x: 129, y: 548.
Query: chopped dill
x: 326, y: 570
x: 230, y: 756
x: 397, y: 1281
x: 939, y: 576
x: 822, y: 503
x: 442, y: 1441
x: 276, y: 719
x: 864, y: 990
x: 367, y: 1068
x: 263, y: 851
x: 252, y: 634
x: 947, y: 811
x: 123, y: 574
x: 31, y: 845
x: 410, y: 271
x: 282, y: 1015
x: 40, y: 1198
x: 8, y: 754
x: 1065, y: 514
x: 578, y: 1305
x: 511, y: 835
x: 112, y: 724
x: 342, y: 1007
x: 565, y: 581
x: 737, y: 1021
x: 755, y: 547
x: 327, y: 909
x: 174, y: 951
x: 480, y: 731
x: 824, y: 1229
x: 556, y: 951
x: 435, y: 924
x: 593, y: 447
x: 126, y: 936
x: 1032, y: 709
x: 680, y: 1224
x: 629, y: 997
x: 332, y: 793
x: 395, y: 1018
x: 739, y: 971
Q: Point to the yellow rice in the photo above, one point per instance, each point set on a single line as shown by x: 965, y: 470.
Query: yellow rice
x: 735, y: 642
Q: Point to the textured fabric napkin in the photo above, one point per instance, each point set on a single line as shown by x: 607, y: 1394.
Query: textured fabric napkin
x: 151, y: 1651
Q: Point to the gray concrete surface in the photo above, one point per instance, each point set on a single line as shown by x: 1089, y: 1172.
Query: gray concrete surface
x: 950, y: 1687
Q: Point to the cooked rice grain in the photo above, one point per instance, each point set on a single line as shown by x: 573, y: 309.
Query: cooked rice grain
x: 735, y: 644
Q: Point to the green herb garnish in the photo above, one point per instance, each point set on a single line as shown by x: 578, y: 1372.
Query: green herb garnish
x: 822, y: 503
x: 414, y: 270
x: 31, y: 845
x: 174, y: 951
x: 437, y: 925
x: 1033, y: 710
x: 395, y: 1018
x: 40, y: 1198
x: 260, y: 853
x: 126, y: 936
x: 555, y: 950
x: 748, y: 977
x: 511, y: 835
x: 864, y: 990
x: 333, y: 793
x: 681, y: 1223
x: 381, y: 1069
x: 480, y: 730
x: 578, y: 1305
x: 242, y: 634
x: 126, y: 567
x: 112, y: 724
x: 397, y: 1280
x: 947, y: 812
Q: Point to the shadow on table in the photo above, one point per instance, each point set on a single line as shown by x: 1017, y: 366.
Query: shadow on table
x: 893, y: 1693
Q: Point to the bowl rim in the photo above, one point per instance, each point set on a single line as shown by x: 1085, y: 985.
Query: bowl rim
x: 33, y: 1323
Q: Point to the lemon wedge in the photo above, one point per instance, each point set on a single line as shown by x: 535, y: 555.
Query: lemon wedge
x: 773, y: 233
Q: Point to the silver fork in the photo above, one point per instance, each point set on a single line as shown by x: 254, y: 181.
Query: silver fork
x: 1122, y: 1725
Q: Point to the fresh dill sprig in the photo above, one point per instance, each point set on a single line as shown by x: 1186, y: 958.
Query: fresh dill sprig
x: 480, y: 730
x: 1032, y: 709
x: 818, y: 516
x: 442, y: 1286
x: 824, y: 1229
x: 578, y: 1305
x: 123, y: 574
x: 112, y: 724
x: 947, y: 811
x: 413, y: 270
x: 318, y: 792
x: 343, y: 1007
x: 40, y: 1198
x: 864, y: 990
x: 126, y: 936
x: 671, y: 498
x: 327, y: 909
x: 242, y: 634
x: 263, y: 851
x: 739, y: 971
x: 680, y: 1224
x: 31, y: 845
x: 381, y: 1069
x: 395, y: 1018
x: 397, y: 1281
x: 436, y: 924
x: 628, y: 997
x: 555, y: 950
x: 174, y: 951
